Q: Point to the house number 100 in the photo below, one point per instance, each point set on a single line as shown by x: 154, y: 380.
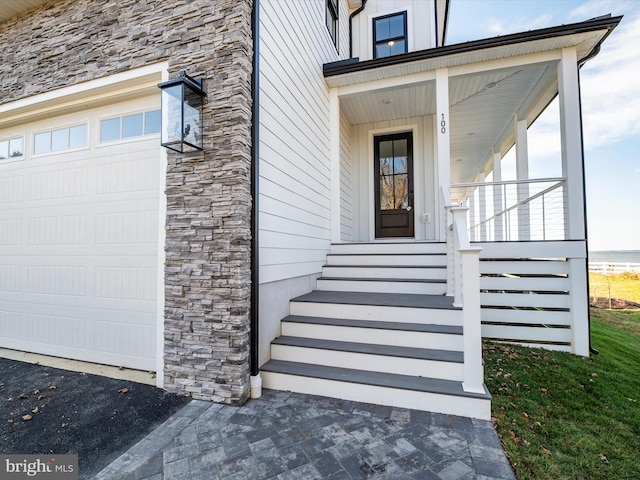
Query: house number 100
x: 443, y: 125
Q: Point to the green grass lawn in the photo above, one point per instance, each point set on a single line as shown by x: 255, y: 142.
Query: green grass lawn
x: 565, y: 417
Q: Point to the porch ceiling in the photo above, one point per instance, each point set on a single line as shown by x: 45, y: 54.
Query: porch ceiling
x: 482, y: 109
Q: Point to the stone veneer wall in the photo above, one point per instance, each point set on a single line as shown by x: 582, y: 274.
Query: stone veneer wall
x: 207, y: 275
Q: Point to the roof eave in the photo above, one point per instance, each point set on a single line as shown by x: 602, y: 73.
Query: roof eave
x: 607, y: 23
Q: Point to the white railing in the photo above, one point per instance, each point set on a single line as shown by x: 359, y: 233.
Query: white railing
x: 514, y: 210
x: 466, y: 294
x: 613, y: 267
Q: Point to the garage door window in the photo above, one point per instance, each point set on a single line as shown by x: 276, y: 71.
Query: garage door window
x: 11, y: 148
x: 60, y: 139
x: 129, y: 126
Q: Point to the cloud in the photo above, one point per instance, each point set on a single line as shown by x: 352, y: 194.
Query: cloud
x: 522, y: 24
x: 595, y: 8
x: 610, y: 86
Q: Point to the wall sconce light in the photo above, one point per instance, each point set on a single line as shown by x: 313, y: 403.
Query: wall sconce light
x: 182, y: 100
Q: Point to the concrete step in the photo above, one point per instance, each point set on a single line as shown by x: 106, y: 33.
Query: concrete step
x: 400, y: 259
x: 388, y: 248
x: 416, y: 335
x: 405, y: 391
x: 385, y: 272
x: 419, y: 362
x: 408, y: 308
x: 394, y: 285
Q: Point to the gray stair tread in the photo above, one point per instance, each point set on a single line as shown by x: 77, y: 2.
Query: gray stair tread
x: 390, y: 380
x: 404, y: 254
x: 407, y: 280
x: 372, y: 349
x: 379, y: 299
x: 403, y: 326
x: 385, y: 266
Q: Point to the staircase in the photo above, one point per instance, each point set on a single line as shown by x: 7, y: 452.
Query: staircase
x: 378, y: 329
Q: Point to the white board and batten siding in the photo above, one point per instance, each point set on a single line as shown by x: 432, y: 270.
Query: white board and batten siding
x: 529, y: 294
x: 294, y: 202
x: 79, y: 244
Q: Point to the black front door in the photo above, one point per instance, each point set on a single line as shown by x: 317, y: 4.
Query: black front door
x: 393, y: 157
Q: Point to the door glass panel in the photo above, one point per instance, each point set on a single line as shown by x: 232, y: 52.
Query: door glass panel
x: 401, y: 191
x: 387, y: 201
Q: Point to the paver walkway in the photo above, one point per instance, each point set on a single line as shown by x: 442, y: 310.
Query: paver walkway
x: 285, y: 435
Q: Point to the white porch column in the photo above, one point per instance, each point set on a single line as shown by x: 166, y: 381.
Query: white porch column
x: 573, y: 172
x: 571, y: 144
x: 443, y: 146
x: 498, y: 207
x: 522, y: 173
x: 334, y: 163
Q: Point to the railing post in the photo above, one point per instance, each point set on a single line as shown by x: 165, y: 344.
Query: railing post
x: 459, y: 215
x: 472, y: 331
x: 467, y: 296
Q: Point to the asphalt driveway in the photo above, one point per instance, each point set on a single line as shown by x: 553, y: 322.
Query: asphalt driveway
x: 48, y: 410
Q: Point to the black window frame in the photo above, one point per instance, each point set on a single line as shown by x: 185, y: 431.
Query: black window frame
x: 332, y: 16
x: 404, y: 37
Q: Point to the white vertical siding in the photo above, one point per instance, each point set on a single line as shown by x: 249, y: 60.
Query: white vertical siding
x: 294, y: 207
x: 420, y: 24
x: 346, y: 181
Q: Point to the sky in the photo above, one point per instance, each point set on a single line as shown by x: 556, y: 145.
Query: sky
x: 610, y: 91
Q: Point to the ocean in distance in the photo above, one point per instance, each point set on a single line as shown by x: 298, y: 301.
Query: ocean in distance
x: 615, y: 256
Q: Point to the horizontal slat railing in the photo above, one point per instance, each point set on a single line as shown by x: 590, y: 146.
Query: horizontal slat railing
x: 526, y: 299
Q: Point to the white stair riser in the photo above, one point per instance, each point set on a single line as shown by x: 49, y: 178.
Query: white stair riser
x: 388, y: 248
x: 398, y: 260
x: 432, y: 402
x: 370, y: 362
x: 382, y: 287
x: 385, y: 272
x: 377, y: 336
x: 375, y: 312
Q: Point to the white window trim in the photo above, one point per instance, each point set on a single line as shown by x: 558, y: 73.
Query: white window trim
x: 410, y: 36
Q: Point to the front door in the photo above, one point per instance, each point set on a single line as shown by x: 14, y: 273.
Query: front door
x: 393, y: 185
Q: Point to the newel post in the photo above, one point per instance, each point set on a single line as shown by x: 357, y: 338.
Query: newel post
x: 467, y: 295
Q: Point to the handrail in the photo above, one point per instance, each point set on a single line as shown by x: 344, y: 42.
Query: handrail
x: 509, y: 182
x: 519, y: 204
x: 506, y: 206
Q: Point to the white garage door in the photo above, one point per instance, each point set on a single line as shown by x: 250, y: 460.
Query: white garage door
x: 79, y: 201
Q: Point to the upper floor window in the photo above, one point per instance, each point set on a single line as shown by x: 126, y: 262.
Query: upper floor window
x: 128, y: 126
x: 60, y: 139
x: 11, y: 148
x: 332, y: 20
x: 390, y: 35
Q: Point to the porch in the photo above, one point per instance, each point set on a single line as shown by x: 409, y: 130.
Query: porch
x: 387, y: 325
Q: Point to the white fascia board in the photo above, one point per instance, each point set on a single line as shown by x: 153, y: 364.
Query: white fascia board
x: 127, y: 84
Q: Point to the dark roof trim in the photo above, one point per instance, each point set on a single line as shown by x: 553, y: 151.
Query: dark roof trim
x: 600, y: 23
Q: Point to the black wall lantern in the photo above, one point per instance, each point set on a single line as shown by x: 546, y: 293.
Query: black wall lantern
x: 182, y: 100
